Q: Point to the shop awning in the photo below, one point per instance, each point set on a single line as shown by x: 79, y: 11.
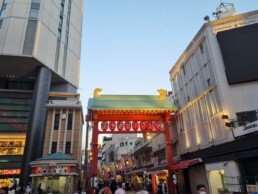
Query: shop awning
x: 135, y: 171
x: 155, y: 172
x: 185, y: 164
x: 160, y: 167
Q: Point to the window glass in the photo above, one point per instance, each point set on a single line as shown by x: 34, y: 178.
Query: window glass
x: 34, y: 13
x: 218, y: 102
x: 29, y: 38
x: 54, y: 147
x: 62, y: 8
x: 59, y: 34
x: 35, y: 1
x: 60, y: 22
x: 66, y: 40
x: 68, y: 147
x: 2, y: 15
x: 70, y: 121
x: 56, y: 123
x: 67, y: 27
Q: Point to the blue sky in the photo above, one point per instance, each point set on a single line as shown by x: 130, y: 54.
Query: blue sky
x: 129, y: 46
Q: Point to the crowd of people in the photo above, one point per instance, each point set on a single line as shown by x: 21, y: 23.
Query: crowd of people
x: 121, y: 187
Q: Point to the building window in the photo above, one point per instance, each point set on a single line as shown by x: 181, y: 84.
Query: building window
x: 56, y: 122
x: 68, y: 147
x: 34, y: 13
x: 67, y: 27
x: 57, y: 53
x: 59, y: 34
x: 122, y: 144
x: 62, y: 7
x: 54, y: 147
x: 201, y: 48
x: 2, y: 14
x: 70, y: 121
x: 36, y: 1
x: 60, y: 22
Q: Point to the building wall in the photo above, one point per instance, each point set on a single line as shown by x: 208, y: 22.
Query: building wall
x: 195, y: 89
x: 63, y: 134
x: 238, y: 97
x: 203, y: 94
x: 22, y: 34
x: 201, y: 91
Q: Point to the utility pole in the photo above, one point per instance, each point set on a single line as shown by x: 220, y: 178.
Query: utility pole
x: 86, y: 174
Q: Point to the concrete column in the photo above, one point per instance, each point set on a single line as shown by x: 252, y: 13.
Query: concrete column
x: 36, y: 131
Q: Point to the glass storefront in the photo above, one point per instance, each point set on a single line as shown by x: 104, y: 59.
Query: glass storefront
x: 53, y: 184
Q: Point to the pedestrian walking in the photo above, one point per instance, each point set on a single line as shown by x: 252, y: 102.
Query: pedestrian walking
x: 113, y: 186
x: 39, y: 190
x: 201, y: 189
x: 120, y: 190
x: 140, y: 189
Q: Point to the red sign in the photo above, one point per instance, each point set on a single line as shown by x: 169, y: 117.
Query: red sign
x: 150, y: 125
x: 104, y: 126
x: 143, y: 125
x: 112, y: 126
x: 135, y: 125
x: 159, y: 125
x: 127, y: 125
x: 120, y: 126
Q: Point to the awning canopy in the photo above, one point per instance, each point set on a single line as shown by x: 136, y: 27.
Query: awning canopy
x: 185, y: 164
x: 155, y: 172
x: 160, y: 167
x: 135, y: 171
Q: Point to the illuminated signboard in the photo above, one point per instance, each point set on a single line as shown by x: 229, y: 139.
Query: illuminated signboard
x: 10, y: 171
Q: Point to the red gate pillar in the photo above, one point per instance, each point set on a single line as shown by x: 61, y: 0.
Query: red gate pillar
x: 170, y: 183
x: 95, y: 150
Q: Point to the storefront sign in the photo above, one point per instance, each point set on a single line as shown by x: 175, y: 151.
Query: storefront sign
x: 246, y: 129
x: 235, y: 24
x: 10, y: 171
x: 52, y: 169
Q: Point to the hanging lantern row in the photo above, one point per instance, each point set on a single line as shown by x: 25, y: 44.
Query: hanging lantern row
x: 132, y: 125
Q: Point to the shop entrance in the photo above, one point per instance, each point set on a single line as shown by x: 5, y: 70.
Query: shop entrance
x: 216, y: 181
x: 118, y: 114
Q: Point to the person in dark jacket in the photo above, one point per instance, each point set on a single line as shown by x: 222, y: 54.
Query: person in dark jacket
x: 39, y: 189
x: 113, y: 186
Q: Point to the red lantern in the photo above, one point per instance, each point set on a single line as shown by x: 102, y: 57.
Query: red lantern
x: 127, y: 125
x: 135, y: 125
x: 150, y: 125
x: 112, y: 126
x: 143, y: 125
x: 159, y: 125
x: 104, y: 125
x: 120, y: 126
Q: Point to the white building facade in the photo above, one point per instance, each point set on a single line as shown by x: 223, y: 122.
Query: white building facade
x: 216, y: 91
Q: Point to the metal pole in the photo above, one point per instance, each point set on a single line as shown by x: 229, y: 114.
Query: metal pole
x: 86, y: 174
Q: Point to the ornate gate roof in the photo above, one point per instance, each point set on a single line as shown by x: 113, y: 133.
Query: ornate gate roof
x: 157, y: 103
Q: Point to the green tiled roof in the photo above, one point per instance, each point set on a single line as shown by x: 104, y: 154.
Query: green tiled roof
x: 55, y: 156
x: 131, y: 102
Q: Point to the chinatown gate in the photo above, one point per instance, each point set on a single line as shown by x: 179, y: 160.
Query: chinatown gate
x: 116, y: 114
